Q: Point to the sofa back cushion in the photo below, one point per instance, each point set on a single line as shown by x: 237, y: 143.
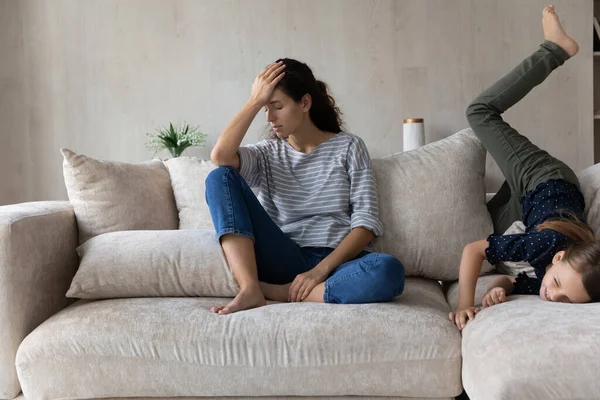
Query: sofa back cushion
x: 114, y: 196
x: 432, y: 203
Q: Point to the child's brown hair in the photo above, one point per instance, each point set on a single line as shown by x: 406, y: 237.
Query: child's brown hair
x: 584, y: 255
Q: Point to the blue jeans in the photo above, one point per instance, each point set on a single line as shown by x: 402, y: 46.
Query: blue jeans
x: 368, y: 278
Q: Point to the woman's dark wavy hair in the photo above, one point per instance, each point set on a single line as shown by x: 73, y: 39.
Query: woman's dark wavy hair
x: 298, y: 81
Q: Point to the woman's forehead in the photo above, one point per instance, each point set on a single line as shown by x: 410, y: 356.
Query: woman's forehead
x: 278, y: 95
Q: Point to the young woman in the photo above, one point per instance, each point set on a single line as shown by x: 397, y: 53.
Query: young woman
x: 307, y: 237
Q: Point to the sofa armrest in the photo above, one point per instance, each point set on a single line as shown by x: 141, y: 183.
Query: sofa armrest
x: 38, y: 260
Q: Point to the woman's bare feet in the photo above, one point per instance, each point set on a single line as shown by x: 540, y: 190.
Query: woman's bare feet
x: 554, y: 32
x: 245, y: 300
x: 276, y: 292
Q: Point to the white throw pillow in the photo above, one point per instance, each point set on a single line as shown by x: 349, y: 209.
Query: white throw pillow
x: 187, y: 178
x: 432, y: 204
x: 589, y: 181
x: 153, y: 263
x: 115, y: 196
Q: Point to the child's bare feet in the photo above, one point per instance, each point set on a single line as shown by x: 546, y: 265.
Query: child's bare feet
x: 554, y: 32
x: 246, y: 299
x: 276, y: 292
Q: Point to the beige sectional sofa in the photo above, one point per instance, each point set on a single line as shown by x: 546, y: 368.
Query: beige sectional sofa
x: 108, y: 296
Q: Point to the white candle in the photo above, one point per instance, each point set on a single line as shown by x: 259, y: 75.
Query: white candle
x: 413, y: 134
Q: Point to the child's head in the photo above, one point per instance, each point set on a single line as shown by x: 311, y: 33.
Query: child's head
x: 574, y: 276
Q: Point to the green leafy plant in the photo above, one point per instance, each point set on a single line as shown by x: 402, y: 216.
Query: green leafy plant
x: 175, y: 139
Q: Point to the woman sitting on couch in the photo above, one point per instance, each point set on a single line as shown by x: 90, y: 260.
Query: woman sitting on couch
x: 539, y: 189
x: 308, y: 235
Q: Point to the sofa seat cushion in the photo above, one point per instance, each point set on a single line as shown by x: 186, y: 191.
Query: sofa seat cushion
x: 176, y: 347
x: 532, y: 349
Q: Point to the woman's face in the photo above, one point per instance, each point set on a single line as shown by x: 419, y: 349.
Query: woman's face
x: 562, y: 283
x: 286, y: 115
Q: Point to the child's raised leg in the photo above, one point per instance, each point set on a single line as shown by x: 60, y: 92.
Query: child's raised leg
x: 523, y: 164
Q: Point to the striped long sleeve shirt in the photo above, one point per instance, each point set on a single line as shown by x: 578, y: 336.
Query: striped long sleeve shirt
x: 315, y: 198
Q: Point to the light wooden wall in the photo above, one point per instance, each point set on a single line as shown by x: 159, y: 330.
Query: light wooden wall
x: 95, y: 75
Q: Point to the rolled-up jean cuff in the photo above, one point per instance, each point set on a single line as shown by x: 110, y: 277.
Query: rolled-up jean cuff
x: 557, y: 51
x: 326, y: 292
x: 235, y: 232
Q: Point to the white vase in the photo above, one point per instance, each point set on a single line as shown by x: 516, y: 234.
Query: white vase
x: 413, y: 134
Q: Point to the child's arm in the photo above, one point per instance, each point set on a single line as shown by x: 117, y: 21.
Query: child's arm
x: 470, y: 268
